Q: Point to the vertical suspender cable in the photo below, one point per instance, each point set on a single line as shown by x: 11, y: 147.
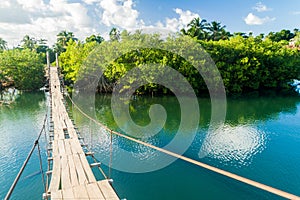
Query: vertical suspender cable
x: 41, y: 167
x: 110, y: 154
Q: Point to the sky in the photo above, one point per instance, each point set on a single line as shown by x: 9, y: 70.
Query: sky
x: 44, y: 19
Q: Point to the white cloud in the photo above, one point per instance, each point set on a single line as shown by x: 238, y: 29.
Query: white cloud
x: 4, y: 4
x: 46, y: 18
x: 90, y: 2
x: 32, y: 5
x: 252, y: 19
x: 120, y: 13
x: 175, y: 24
x: 260, y: 7
x: 42, y: 19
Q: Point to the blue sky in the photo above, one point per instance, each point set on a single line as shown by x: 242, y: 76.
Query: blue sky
x: 45, y: 18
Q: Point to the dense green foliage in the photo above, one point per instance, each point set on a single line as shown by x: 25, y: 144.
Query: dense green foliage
x: 245, y: 63
x: 253, y: 64
x: 72, y: 59
x: 23, y: 68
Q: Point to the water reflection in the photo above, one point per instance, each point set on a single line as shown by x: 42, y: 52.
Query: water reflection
x: 9, y: 95
x: 233, y: 144
x: 20, y: 122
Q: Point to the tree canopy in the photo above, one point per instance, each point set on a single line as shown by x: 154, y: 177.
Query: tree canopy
x: 23, y: 68
x: 246, y: 62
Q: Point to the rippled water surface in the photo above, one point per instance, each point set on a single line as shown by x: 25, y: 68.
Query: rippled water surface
x: 20, y: 123
x: 259, y: 140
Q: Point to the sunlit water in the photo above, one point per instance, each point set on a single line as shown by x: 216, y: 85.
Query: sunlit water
x: 259, y: 140
x: 20, y: 123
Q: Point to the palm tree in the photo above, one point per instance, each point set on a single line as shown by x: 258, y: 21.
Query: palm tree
x: 41, y: 46
x: 63, y: 38
x: 217, y: 32
x: 114, y: 34
x: 28, y: 42
x: 3, y: 44
x: 197, y: 28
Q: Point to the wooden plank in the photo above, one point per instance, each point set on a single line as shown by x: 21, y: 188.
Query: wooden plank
x: 61, y: 146
x: 58, y: 128
x: 94, y: 191
x: 73, y: 173
x: 56, y: 135
x: 68, y: 147
x: 65, y: 173
x: 87, y: 168
x: 68, y: 193
x: 76, y: 146
x: 55, y: 178
x: 62, y: 118
x: 72, y: 133
x: 79, y: 169
x: 56, y: 195
x: 107, y: 190
x: 80, y: 192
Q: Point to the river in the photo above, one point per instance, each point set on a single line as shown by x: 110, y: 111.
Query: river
x: 259, y: 140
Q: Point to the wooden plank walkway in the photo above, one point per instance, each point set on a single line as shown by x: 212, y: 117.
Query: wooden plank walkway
x: 72, y: 177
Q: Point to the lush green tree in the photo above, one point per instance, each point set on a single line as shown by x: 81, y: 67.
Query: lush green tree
x: 94, y: 38
x: 41, y: 46
x: 63, y: 38
x: 249, y: 64
x: 114, y: 34
x: 28, y: 42
x: 74, y: 56
x: 24, y: 67
x: 245, y: 63
x: 285, y: 35
x: 197, y: 28
x: 242, y: 34
x: 217, y: 31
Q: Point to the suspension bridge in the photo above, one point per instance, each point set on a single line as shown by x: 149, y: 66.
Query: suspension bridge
x: 69, y: 174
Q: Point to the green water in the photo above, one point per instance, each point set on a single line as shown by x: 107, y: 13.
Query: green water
x: 260, y: 140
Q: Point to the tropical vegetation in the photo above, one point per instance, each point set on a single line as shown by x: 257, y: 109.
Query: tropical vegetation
x: 245, y: 62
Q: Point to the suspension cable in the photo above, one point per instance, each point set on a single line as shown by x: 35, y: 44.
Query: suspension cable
x: 41, y: 167
x: 110, y: 154
x: 36, y: 142
x: 198, y: 163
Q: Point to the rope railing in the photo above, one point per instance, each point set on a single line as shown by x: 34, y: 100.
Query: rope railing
x: 36, y: 143
x: 195, y: 162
